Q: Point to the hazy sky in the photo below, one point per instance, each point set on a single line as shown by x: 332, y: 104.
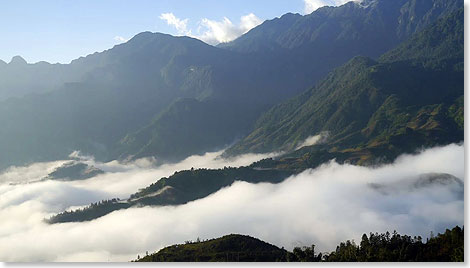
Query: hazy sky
x: 59, y: 30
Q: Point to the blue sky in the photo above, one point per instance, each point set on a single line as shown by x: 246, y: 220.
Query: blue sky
x: 59, y: 30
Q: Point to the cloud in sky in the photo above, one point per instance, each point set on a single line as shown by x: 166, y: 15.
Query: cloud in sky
x: 120, y: 39
x: 323, y: 206
x: 213, y: 31
x: 180, y: 25
x: 225, y: 31
x: 312, y: 5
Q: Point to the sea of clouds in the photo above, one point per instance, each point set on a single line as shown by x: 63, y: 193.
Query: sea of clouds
x: 323, y: 206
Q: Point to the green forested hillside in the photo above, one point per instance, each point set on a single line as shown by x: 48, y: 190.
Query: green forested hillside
x: 386, y: 247
x: 229, y: 248
x: 446, y: 247
x: 384, y: 108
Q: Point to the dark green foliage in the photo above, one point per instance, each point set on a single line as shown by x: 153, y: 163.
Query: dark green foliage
x: 180, y: 188
x: 446, y: 247
x: 305, y: 254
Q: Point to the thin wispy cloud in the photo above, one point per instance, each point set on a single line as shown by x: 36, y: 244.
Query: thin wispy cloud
x: 312, y: 140
x: 181, y: 25
x: 120, y: 39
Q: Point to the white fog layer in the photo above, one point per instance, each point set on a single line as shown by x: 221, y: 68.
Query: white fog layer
x: 323, y: 206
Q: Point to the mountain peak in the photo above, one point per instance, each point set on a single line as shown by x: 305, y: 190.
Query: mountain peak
x: 147, y: 35
x: 17, y: 60
x: 291, y: 15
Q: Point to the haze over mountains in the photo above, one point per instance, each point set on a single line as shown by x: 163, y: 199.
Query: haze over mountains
x: 172, y: 97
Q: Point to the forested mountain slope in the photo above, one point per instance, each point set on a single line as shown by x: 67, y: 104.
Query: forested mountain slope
x: 411, y: 97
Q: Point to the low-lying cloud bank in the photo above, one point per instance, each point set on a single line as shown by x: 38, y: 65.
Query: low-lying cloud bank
x: 323, y: 207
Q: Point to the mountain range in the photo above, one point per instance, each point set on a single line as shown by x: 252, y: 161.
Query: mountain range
x: 171, y: 97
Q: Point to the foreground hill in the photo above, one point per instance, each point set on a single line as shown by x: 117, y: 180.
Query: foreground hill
x: 411, y: 98
x: 231, y: 248
x: 446, y: 247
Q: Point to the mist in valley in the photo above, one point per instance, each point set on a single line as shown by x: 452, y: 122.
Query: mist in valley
x: 334, y: 202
